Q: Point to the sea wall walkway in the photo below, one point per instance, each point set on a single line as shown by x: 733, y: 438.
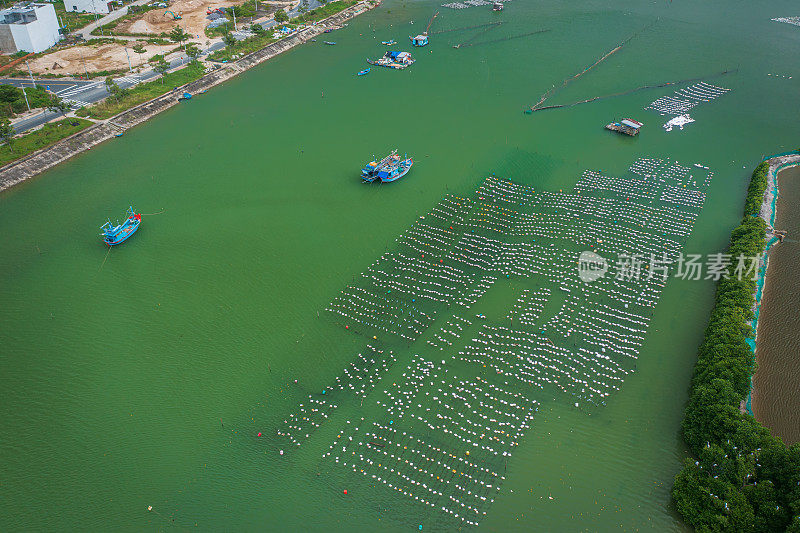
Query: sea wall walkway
x: 33, y: 164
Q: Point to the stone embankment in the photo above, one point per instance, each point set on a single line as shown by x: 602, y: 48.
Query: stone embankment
x: 37, y: 162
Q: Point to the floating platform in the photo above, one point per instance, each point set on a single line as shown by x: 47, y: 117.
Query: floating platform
x: 395, y: 60
x: 627, y: 126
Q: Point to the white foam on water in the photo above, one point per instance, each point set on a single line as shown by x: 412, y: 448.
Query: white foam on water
x: 679, y: 121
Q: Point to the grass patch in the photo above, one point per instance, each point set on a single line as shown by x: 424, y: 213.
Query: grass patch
x: 241, y: 48
x: 219, y: 31
x: 42, y: 138
x: 331, y: 8
x: 143, y: 92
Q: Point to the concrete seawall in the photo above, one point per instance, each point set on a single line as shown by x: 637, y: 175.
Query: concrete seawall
x: 33, y: 164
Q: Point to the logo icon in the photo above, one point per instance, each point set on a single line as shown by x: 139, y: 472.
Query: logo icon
x: 591, y: 266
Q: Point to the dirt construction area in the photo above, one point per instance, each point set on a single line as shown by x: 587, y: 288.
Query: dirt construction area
x: 96, y: 58
x: 192, y: 12
x: 193, y: 18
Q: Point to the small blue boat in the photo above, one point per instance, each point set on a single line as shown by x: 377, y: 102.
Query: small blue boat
x: 364, y: 72
x: 389, y: 42
x: 185, y: 96
x: 113, y: 235
x: 329, y: 42
x: 390, y: 168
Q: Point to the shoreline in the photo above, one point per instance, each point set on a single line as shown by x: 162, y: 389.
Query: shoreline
x: 37, y: 162
x: 768, y: 213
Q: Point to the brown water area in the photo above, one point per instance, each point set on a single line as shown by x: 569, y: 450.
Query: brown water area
x: 776, y: 384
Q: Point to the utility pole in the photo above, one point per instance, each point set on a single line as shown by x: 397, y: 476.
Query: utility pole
x: 130, y: 68
x: 83, y: 59
x: 33, y: 84
x: 233, y: 10
x: 26, y: 98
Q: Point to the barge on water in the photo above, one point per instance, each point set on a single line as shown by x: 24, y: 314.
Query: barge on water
x: 626, y: 125
x: 396, y: 60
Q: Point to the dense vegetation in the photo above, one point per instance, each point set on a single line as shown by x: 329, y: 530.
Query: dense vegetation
x: 12, y: 101
x: 143, y: 92
x: 743, y: 480
x: 755, y: 192
x: 41, y: 138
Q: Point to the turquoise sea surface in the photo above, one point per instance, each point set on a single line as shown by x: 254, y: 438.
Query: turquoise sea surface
x: 143, y: 378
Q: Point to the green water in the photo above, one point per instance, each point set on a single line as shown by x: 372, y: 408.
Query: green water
x: 117, y: 373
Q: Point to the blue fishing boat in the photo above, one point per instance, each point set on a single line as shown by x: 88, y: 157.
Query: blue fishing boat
x: 390, y: 42
x: 331, y: 43
x: 364, y: 72
x: 113, y: 235
x: 390, y: 168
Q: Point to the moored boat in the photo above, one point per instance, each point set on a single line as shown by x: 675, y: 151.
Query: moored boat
x: 390, y: 168
x: 370, y: 171
x: 364, y: 72
x: 113, y: 235
x: 329, y: 42
x: 396, y: 60
x: 390, y: 42
x: 497, y: 6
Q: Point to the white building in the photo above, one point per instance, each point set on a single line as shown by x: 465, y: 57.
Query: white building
x: 88, y: 6
x: 30, y: 27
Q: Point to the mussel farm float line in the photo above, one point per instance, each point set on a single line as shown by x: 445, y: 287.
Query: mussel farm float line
x: 476, y: 27
x: 464, y: 45
x: 567, y: 81
x: 630, y: 91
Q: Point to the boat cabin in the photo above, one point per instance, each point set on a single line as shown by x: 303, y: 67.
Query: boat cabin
x: 420, y: 40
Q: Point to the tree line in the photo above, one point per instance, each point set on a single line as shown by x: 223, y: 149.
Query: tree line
x: 741, y: 479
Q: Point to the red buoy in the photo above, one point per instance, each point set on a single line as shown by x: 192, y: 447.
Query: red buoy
x: 345, y: 491
x: 259, y: 433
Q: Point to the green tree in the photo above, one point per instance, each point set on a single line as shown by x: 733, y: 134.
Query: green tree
x: 161, y: 66
x: 280, y: 16
x: 229, y: 39
x: 139, y: 49
x: 111, y: 84
x: 258, y: 29
x: 192, y: 51
x: 177, y: 35
x: 57, y: 105
x: 7, y: 133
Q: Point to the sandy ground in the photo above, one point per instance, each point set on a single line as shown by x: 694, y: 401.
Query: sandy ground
x: 103, y: 57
